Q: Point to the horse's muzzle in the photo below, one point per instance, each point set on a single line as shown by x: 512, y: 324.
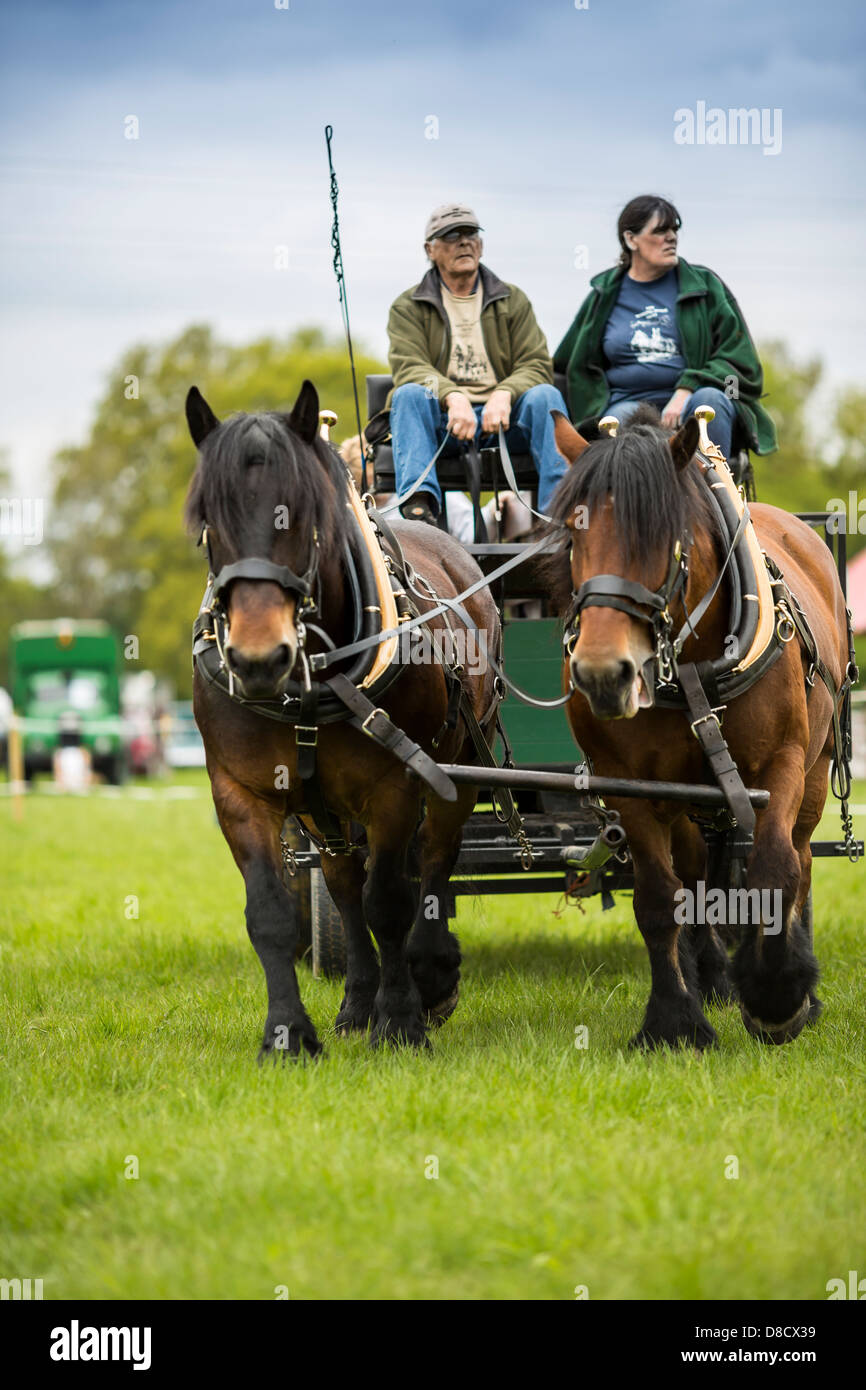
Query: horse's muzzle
x: 608, y: 686
x: 262, y: 677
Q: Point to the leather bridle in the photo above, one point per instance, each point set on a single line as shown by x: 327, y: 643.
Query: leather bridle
x: 613, y: 591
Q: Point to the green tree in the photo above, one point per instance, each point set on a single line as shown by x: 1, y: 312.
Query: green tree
x: 795, y: 477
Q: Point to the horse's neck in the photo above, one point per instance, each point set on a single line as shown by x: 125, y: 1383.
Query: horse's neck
x: 704, y: 568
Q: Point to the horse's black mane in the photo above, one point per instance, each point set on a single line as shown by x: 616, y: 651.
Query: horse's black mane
x: 653, y: 505
x: 219, y: 486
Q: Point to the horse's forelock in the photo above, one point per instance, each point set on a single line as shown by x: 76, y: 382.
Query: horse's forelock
x: 301, y: 473
x: 653, y: 505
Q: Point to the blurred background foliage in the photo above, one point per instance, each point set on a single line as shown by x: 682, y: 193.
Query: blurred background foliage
x: 114, y: 532
x: 114, y: 524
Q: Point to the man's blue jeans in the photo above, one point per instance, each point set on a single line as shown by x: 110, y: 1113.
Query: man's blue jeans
x: 419, y: 424
x: 719, y: 430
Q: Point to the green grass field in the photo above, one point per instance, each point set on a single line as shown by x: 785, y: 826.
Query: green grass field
x: 133, y: 1041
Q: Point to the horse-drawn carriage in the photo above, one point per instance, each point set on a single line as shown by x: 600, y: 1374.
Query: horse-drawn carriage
x: 545, y: 819
x: 573, y: 850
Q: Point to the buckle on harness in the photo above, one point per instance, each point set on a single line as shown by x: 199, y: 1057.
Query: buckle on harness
x: 785, y: 627
x: 306, y: 729
x: 370, y: 717
x: 702, y: 720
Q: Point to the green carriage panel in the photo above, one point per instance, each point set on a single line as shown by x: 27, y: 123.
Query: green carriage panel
x: 533, y: 660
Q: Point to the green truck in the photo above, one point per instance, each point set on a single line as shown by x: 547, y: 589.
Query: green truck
x: 65, y: 675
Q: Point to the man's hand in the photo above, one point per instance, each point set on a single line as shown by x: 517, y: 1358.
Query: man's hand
x: 461, y: 416
x: 497, y: 412
x: 674, y: 409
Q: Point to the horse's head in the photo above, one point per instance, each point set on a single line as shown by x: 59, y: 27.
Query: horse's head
x: 627, y: 502
x: 269, y: 492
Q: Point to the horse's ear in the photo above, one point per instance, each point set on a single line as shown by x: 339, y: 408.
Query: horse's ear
x: 199, y: 416
x: 684, y: 443
x: 569, y: 443
x: 304, y: 418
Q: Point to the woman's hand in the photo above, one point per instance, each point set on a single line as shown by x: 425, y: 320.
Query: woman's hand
x: 674, y: 409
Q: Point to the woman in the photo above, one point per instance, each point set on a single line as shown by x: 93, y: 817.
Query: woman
x: 656, y: 328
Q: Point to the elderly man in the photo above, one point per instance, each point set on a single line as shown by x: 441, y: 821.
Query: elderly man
x: 466, y: 356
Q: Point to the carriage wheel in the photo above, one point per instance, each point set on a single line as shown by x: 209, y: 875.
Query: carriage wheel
x: 329, y: 942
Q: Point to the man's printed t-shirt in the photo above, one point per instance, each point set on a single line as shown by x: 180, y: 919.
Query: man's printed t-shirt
x: 641, y: 343
x: 469, y: 366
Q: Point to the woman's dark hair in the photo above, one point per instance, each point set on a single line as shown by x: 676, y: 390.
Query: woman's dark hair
x: 638, y: 212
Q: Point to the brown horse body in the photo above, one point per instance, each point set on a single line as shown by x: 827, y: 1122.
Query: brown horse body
x: 779, y: 733
x: 252, y: 760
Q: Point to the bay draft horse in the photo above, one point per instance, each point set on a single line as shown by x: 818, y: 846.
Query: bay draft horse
x: 637, y: 495
x: 250, y: 469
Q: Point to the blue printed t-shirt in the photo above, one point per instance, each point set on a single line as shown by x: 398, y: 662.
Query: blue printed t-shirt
x: 641, y: 343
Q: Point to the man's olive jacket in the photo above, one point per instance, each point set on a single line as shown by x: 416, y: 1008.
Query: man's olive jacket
x: 714, y: 339
x: 420, y: 338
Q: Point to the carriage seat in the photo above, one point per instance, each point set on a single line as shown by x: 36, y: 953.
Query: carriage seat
x: 450, y: 471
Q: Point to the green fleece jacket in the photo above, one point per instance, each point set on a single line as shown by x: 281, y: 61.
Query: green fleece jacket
x: 419, y: 334
x: 715, y: 342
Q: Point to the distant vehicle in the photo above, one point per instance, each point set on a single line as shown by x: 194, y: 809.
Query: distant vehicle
x: 68, y: 668
x: 183, y: 746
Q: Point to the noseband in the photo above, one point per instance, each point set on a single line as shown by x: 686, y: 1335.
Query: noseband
x: 613, y: 591
x: 254, y: 567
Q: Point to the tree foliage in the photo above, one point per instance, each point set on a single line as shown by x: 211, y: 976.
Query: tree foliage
x: 117, y: 534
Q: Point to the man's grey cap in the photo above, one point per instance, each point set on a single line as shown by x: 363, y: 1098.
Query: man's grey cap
x: 450, y: 215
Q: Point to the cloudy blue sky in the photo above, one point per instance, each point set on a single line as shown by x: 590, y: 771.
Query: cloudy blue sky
x: 549, y: 118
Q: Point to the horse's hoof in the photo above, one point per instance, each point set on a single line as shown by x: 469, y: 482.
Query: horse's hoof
x: 353, y: 1018
x: 288, y: 1043
x: 409, y: 1032
x: 816, y: 1008
x: 778, y: 1033
x: 439, y: 1013
x: 698, y: 1035
x: 720, y: 995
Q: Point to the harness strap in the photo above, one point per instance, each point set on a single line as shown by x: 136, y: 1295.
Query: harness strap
x: 693, y: 618
x: 375, y: 723
x: 707, y: 729
x: 510, y: 477
x: 473, y: 477
x: 404, y: 496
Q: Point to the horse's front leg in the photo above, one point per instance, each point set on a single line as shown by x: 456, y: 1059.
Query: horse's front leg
x: 673, y: 1013
x: 344, y: 875
x: 774, y: 968
x: 693, y: 866
x: 389, y: 907
x: 251, y: 825
x: 434, y: 951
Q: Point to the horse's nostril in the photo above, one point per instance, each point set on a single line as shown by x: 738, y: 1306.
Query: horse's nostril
x: 626, y: 671
x: 280, y: 656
